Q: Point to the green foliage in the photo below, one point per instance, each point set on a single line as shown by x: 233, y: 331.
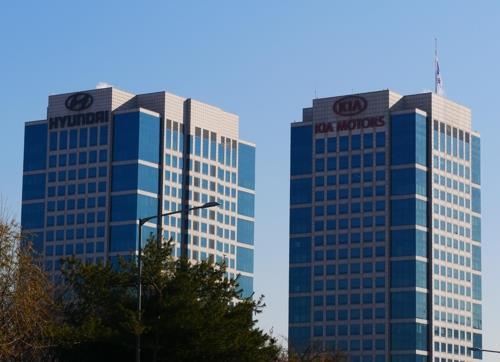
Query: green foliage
x: 191, y: 312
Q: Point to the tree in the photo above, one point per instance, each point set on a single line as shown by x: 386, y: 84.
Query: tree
x: 27, y: 308
x: 313, y: 353
x: 191, y: 312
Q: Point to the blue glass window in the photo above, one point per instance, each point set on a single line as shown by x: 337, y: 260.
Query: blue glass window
x: 300, y: 279
x: 409, y: 139
x: 332, y: 144
x: 83, y: 137
x: 380, y: 139
x: 368, y: 140
x: 408, y: 243
x: 406, y: 305
x: 34, y: 186
x: 355, y: 142
x: 476, y: 258
x: 409, y: 181
x: 343, y: 143
x: 319, y: 164
x: 409, y: 212
x: 245, y: 231
x: 246, y: 166
x: 320, y: 145
x: 136, y: 136
x: 300, y: 191
x: 408, y: 336
x: 300, y: 220
x: 63, y: 140
x: 93, y: 136
x: 476, y: 228
x: 301, y: 150
x: 103, y: 135
x: 246, y: 204
x: 53, y: 141
x: 380, y: 158
x: 35, y: 147
x: 476, y: 160
x: 408, y: 273
x: 33, y: 215
x: 244, y: 259
x: 300, y: 250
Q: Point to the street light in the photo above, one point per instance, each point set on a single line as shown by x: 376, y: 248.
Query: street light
x: 139, y: 263
x: 476, y: 349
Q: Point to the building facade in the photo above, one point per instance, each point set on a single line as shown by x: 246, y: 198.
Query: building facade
x: 385, y: 229
x: 104, y: 158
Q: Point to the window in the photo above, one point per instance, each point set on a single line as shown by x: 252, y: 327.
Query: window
x: 355, y: 142
x: 368, y: 140
x: 320, y: 165
x: 300, y: 280
x: 409, y: 139
x: 301, y: 150
x: 63, y: 140
x: 409, y: 336
x: 409, y: 212
x: 332, y: 144
x: 408, y: 243
x: 408, y: 274
x: 320, y: 146
x: 409, y: 181
x: 300, y: 250
x: 344, y: 143
x: 300, y: 191
x: 83, y: 137
x: 406, y: 305
x: 380, y: 139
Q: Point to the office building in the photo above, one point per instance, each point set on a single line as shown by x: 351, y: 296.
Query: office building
x: 104, y: 158
x: 385, y: 229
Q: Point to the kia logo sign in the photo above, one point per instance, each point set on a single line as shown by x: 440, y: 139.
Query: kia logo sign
x: 79, y: 101
x: 349, y: 106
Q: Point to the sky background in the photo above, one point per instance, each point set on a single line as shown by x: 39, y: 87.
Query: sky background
x: 265, y: 61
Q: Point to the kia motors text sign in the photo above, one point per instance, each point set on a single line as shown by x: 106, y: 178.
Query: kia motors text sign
x: 349, y: 105
x: 349, y: 125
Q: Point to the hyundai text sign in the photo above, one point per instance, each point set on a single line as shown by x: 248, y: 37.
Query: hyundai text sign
x: 78, y: 120
x: 349, y: 106
x: 79, y: 101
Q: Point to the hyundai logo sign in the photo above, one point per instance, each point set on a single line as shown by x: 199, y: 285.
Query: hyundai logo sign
x: 350, y: 105
x: 79, y: 101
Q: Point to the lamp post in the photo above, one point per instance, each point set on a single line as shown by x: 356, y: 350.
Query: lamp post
x: 476, y: 349
x: 139, y: 263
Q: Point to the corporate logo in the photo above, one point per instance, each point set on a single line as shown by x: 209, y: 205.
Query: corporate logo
x: 79, y: 101
x: 350, y: 105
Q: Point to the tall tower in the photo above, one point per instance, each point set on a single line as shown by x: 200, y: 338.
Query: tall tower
x: 385, y: 229
x: 104, y: 158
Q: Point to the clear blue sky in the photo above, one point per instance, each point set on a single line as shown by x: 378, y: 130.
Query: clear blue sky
x: 262, y: 60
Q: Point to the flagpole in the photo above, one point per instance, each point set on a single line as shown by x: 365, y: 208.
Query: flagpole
x: 435, y: 66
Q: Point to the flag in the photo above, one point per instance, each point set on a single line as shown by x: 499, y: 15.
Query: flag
x: 438, y: 80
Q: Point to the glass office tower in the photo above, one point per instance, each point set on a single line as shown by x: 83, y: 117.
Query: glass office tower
x: 104, y: 158
x: 385, y: 229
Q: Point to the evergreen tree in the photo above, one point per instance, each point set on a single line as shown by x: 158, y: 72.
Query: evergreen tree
x: 191, y: 312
